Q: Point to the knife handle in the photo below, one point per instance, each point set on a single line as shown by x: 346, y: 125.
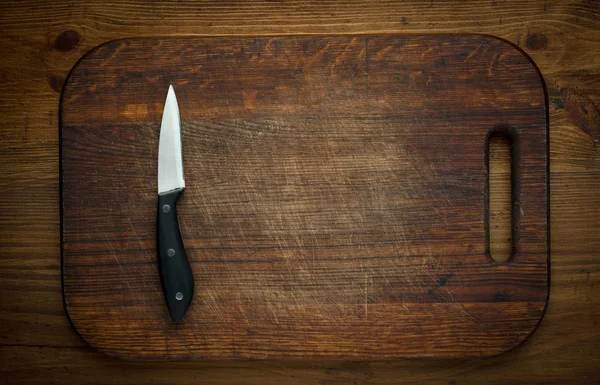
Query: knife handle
x: 175, y: 270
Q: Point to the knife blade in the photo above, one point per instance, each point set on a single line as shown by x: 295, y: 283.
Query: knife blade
x: 175, y: 270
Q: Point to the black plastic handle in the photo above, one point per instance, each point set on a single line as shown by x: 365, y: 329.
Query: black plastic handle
x: 175, y: 270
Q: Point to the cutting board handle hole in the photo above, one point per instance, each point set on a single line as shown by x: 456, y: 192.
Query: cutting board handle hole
x: 500, y: 193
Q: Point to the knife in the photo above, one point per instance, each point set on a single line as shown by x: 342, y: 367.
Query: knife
x: 175, y: 270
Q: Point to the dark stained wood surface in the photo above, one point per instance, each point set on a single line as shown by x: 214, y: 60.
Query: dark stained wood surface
x: 39, y: 346
x: 335, y: 202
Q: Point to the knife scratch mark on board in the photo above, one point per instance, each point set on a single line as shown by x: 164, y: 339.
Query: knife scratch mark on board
x: 111, y: 250
x: 434, y: 269
x: 140, y: 253
x: 493, y: 62
x: 125, y: 276
x: 342, y: 55
x: 473, y: 53
x: 241, y: 311
x: 212, y: 302
x: 187, y: 347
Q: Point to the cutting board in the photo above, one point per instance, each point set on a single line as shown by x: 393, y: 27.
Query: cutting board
x: 336, y: 202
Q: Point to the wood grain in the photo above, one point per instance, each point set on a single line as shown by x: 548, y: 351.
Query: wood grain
x: 38, y: 344
x: 336, y: 199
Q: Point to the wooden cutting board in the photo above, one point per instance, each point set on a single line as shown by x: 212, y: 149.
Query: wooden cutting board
x: 336, y: 201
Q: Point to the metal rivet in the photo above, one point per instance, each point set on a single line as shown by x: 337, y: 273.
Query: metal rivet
x: 179, y: 296
x: 166, y: 208
x: 170, y: 252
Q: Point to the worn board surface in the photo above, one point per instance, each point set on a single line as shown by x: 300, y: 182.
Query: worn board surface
x: 335, y: 202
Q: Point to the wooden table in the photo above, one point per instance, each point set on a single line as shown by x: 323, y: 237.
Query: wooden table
x: 41, y: 41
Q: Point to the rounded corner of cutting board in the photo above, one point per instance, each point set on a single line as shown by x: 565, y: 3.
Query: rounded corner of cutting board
x: 84, y: 336
x: 524, y: 337
x: 514, y: 47
x: 85, y: 57
x: 110, y: 350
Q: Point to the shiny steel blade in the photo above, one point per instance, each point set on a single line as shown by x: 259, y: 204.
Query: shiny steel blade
x: 170, y: 161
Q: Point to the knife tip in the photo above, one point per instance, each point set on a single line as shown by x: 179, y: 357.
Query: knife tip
x: 171, y: 97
